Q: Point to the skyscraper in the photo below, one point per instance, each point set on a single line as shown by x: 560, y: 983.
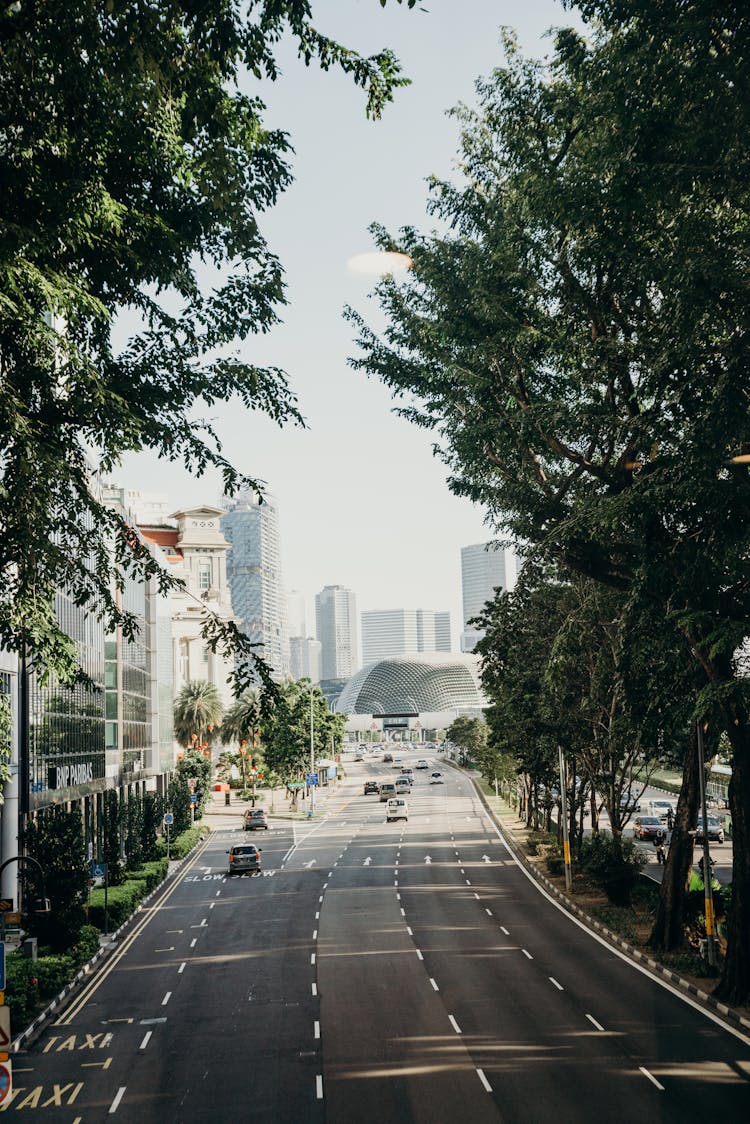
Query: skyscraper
x: 485, y: 567
x: 336, y: 625
x: 255, y: 576
x: 397, y: 632
x: 304, y: 654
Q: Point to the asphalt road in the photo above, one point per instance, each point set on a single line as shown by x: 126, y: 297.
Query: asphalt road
x: 376, y: 972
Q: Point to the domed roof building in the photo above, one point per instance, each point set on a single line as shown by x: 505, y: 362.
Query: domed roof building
x: 436, y: 686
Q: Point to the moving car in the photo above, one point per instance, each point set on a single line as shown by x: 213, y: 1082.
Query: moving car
x: 396, y: 809
x: 254, y: 819
x: 371, y: 788
x: 422, y: 764
x: 436, y: 778
x: 661, y: 808
x: 387, y: 758
x: 715, y: 830
x: 407, y: 771
x: 647, y: 827
x: 387, y: 790
x: 403, y: 784
x: 243, y: 857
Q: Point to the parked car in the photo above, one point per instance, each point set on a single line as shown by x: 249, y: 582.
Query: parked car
x: 436, y: 778
x: 254, y: 819
x: 422, y: 764
x: 396, y: 809
x: 243, y: 857
x: 387, y: 790
x: 371, y: 788
x: 647, y: 827
x: 715, y: 830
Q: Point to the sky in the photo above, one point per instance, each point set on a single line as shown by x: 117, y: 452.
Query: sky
x: 363, y: 501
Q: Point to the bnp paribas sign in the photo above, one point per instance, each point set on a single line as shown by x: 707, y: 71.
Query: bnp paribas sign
x: 65, y: 776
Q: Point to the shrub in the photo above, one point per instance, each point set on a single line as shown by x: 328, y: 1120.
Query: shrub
x: 20, y: 994
x: 555, y: 863
x: 539, y: 839
x: 183, y: 844
x: 86, y: 946
x: 615, y: 867
x: 121, y: 902
x: 151, y: 873
x: 53, y: 972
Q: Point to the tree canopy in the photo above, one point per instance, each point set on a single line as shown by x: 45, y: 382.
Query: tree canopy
x: 578, y: 339
x: 133, y: 150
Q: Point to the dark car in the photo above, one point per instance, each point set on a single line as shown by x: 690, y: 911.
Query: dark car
x: 254, y: 819
x: 387, y: 758
x: 715, y: 830
x: 244, y: 857
x: 372, y: 788
x: 647, y: 827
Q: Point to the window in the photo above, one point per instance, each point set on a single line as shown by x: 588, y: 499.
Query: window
x: 204, y: 576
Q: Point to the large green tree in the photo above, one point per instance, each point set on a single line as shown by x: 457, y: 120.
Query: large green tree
x: 198, y: 711
x: 133, y: 149
x: 580, y: 338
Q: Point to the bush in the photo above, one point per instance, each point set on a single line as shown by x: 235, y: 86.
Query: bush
x: 53, y: 972
x: 618, y: 919
x: 121, y: 902
x: 20, y: 994
x: 86, y: 946
x: 615, y: 867
x: 152, y: 873
x: 537, y: 840
x: 555, y: 863
x: 183, y: 844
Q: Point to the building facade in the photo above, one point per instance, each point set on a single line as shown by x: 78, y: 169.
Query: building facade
x: 255, y: 576
x: 397, y: 632
x: 485, y: 568
x: 304, y: 658
x: 336, y: 626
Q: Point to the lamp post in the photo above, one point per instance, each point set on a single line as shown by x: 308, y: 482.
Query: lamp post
x: 312, y: 754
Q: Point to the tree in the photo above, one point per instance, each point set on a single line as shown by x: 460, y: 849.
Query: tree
x: 198, y: 711
x: 286, y: 737
x: 178, y: 803
x: 242, y: 724
x: 579, y: 338
x: 131, y: 152
x: 55, y: 839
x: 194, y: 766
x: 470, y: 735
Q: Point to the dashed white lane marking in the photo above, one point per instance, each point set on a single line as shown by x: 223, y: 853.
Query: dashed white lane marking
x: 528, y: 954
x: 211, y: 906
x: 314, y: 989
x: 330, y: 872
x: 408, y: 929
x: 193, y: 942
x: 316, y: 1029
x: 181, y: 968
x: 434, y: 985
x: 504, y: 930
x: 166, y: 999
x: 395, y: 882
x: 315, y: 934
x: 463, y: 871
x: 559, y: 986
x: 488, y: 912
x: 312, y: 957
x: 319, y: 1087
x: 398, y: 897
x: 217, y: 894
x: 593, y: 1021
x: 476, y: 896
x: 484, y: 1080
x: 146, y: 1037
x: 325, y: 887
x: 403, y: 912
x: 454, y: 1024
x: 317, y: 916
x: 118, y: 1098
x: 467, y: 882
x: 651, y: 1077
x: 320, y: 899
x: 419, y: 954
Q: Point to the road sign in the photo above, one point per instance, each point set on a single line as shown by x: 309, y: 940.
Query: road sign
x: 4, y: 1028
x: 312, y: 779
x: 168, y: 818
x: 193, y: 798
x: 6, y: 1081
x: 12, y: 919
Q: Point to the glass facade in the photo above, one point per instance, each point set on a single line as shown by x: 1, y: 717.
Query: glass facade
x: 412, y: 685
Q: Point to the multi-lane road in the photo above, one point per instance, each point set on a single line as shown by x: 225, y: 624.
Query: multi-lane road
x: 375, y: 972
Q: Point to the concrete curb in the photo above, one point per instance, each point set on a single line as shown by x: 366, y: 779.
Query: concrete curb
x: 732, y: 1016
x: 27, y: 1036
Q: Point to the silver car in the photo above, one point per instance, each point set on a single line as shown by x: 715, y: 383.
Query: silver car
x: 242, y: 857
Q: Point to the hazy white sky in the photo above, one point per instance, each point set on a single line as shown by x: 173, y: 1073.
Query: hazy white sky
x: 363, y: 502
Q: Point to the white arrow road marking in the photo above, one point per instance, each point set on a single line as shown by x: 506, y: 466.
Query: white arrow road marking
x: 486, y: 859
x: 427, y: 859
x: 311, y: 863
x: 367, y: 861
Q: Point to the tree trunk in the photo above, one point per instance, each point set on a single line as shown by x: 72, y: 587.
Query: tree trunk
x: 594, y: 812
x: 667, y: 932
x: 734, y: 986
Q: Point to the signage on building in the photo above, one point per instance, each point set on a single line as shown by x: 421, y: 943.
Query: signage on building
x: 63, y: 776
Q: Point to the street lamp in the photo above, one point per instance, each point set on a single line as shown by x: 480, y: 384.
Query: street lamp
x: 311, y: 811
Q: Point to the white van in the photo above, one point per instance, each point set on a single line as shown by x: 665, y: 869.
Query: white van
x: 396, y: 809
x: 387, y: 790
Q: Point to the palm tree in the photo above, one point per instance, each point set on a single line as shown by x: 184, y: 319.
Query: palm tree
x: 198, y: 711
x: 242, y: 724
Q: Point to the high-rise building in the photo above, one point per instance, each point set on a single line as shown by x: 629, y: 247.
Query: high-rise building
x: 485, y: 568
x: 304, y: 658
x: 336, y: 626
x: 296, y: 614
x: 255, y: 576
x: 398, y: 632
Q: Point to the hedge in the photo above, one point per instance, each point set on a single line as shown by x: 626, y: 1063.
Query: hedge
x: 182, y: 844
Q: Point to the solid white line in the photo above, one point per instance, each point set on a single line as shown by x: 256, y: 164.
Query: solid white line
x: 146, y: 1037
x: 651, y: 1078
x: 419, y: 954
x: 315, y: 989
x: 523, y: 950
x: 594, y: 1022
x: 116, y: 1101
x: 454, y: 1024
x: 484, y: 1080
x: 319, y: 1087
x: 434, y: 985
x: 166, y: 999
x: 504, y: 930
x: 559, y: 986
x: 316, y: 1029
x: 181, y: 968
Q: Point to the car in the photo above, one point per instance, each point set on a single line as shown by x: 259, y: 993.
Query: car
x: 244, y: 857
x: 407, y: 771
x: 436, y: 778
x: 359, y: 755
x: 387, y: 758
x: 403, y: 784
x: 254, y: 819
x: 647, y: 827
x: 396, y: 809
x: 397, y: 762
x: 422, y: 764
x: 371, y: 788
x: 630, y: 804
x: 715, y: 830
x: 387, y: 790
x: 661, y: 808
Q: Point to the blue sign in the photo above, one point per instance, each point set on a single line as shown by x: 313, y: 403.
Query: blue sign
x: 193, y: 798
x: 98, y: 870
x: 168, y: 818
x: 312, y: 779
x: 2, y: 965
